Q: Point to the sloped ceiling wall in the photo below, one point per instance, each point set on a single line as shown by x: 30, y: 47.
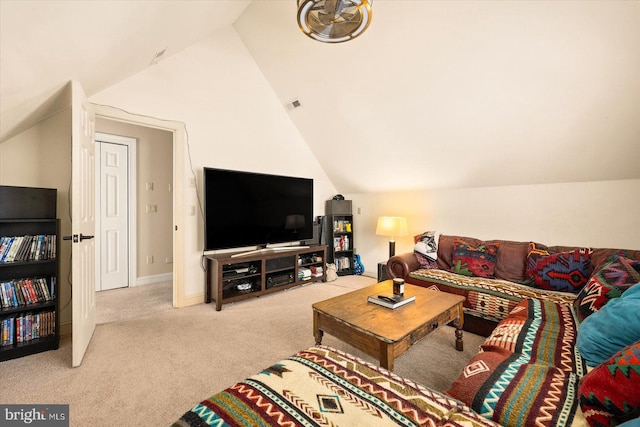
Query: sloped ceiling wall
x: 46, y: 43
x: 435, y: 94
x: 462, y: 94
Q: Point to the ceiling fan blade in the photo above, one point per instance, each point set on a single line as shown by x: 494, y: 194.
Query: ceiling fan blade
x: 341, y: 29
x: 349, y: 16
x: 331, y: 7
x: 326, y: 18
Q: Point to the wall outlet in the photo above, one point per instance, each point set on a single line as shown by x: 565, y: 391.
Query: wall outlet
x: 152, y: 208
x: 150, y: 259
x: 149, y: 186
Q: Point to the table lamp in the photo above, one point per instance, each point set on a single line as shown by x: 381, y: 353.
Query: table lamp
x: 393, y: 226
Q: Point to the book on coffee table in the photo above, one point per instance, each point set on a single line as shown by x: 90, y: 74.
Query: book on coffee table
x: 390, y: 301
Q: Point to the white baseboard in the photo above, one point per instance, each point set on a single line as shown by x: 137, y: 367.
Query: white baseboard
x: 150, y: 280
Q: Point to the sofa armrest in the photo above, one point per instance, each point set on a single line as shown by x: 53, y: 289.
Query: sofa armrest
x: 401, y: 265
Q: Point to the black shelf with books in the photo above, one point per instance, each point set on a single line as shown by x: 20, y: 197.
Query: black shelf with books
x: 29, y: 271
x: 339, y: 236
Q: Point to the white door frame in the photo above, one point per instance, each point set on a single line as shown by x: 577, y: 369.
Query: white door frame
x: 179, y: 177
x: 132, y: 240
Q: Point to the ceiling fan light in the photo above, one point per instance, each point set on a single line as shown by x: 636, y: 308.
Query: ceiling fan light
x: 333, y: 21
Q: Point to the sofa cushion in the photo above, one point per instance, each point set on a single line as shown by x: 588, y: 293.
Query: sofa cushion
x: 511, y: 260
x: 609, y: 282
x: 478, y: 261
x: 614, y: 327
x: 610, y: 393
x: 562, y: 271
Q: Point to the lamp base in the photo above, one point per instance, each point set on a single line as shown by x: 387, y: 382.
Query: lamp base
x: 392, y: 248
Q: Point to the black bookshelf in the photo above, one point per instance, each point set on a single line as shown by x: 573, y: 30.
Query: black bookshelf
x: 29, y: 280
x: 339, y: 232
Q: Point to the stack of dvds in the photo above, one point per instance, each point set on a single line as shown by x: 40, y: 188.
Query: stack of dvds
x: 27, y: 248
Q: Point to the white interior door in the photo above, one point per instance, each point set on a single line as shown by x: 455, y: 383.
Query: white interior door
x: 82, y: 222
x: 114, y: 216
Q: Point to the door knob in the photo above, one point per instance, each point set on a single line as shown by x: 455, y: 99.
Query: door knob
x: 75, y: 239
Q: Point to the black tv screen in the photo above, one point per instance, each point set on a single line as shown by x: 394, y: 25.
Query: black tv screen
x: 252, y: 209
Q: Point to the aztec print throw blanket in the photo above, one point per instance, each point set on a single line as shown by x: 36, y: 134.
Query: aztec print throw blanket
x: 491, y: 299
x: 528, y: 370
x: 322, y: 386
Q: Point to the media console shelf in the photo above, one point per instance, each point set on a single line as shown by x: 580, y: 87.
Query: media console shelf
x: 230, y: 277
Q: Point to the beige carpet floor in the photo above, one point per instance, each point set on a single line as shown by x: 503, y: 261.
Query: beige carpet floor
x: 147, y: 367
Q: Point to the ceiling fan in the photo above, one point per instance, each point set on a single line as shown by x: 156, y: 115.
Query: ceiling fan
x: 334, y: 21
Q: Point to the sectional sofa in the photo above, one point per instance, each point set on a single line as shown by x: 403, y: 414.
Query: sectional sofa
x: 551, y: 314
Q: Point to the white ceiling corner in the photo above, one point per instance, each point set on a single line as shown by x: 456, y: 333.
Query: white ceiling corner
x: 46, y: 43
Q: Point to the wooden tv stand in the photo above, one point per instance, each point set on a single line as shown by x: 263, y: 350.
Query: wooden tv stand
x: 236, y: 276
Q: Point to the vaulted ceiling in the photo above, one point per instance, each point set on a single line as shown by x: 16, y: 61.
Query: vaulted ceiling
x: 434, y: 94
x: 46, y: 43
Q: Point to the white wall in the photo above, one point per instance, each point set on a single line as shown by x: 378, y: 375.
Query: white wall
x: 41, y: 157
x: 233, y: 120
x: 595, y: 214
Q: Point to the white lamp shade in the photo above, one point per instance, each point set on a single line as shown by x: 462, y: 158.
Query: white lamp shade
x: 394, y: 226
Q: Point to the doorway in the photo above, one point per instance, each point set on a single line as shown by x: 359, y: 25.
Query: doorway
x: 116, y: 211
x: 149, y: 231
x: 179, y: 153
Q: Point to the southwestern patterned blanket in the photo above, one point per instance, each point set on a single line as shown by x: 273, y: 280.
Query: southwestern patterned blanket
x: 491, y: 299
x: 322, y: 386
x: 528, y: 370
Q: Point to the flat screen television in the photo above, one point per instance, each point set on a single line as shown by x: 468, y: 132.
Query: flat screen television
x: 245, y: 209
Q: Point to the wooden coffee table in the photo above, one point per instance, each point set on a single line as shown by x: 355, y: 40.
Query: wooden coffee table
x: 382, y: 332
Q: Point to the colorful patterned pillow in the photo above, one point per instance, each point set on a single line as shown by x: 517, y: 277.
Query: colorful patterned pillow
x: 610, y: 394
x: 536, y: 251
x: 622, y: 253
x: 613, y: 278
x: 469, y: 261
x: 562, y: 271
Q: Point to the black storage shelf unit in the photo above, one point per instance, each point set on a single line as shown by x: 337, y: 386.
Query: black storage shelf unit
x: 26, y: 211
x: 339, y: 232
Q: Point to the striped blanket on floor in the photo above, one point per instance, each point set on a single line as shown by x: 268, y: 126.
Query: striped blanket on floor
x: 322, y: 386
x: 528, y: 371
